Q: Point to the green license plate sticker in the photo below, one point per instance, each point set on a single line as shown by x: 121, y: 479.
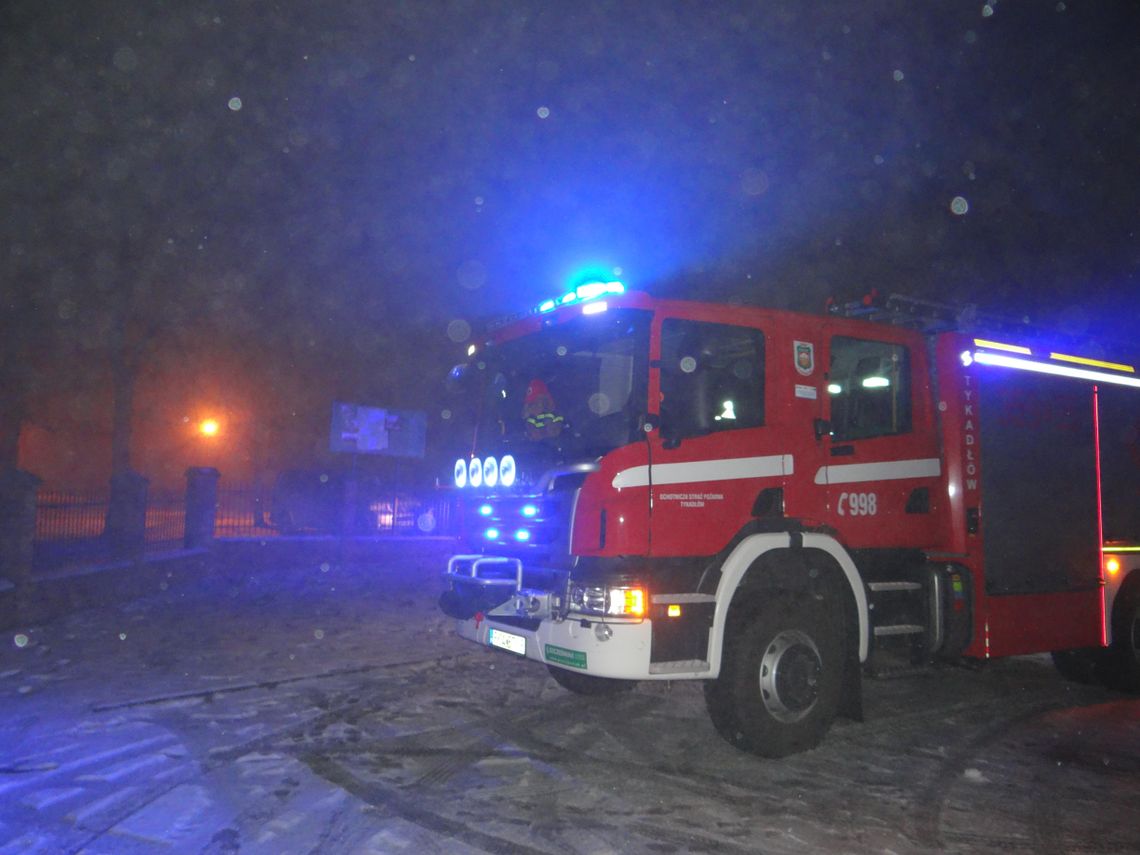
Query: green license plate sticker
x: 562, y: 656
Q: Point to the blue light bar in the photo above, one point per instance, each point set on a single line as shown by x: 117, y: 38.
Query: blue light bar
x: 598, y: 289
x: 1056, y: 370
x: 529, y: 510
x: 522, y: 535
x: 491, y: 534
x: 485, y: 510
x: 581, y: 294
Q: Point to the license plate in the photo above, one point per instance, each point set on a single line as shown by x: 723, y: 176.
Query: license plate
x: 507, y: 641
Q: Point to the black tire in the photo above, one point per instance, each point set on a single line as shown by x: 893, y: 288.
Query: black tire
x: 780, y: 678
x: 1078, y: 666
x: 1120, y: 667
x: 588, y: 684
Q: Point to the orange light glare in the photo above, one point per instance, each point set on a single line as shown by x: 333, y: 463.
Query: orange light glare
x: 627, y: 601
x: 1112, y: 566
x: 209, y: 427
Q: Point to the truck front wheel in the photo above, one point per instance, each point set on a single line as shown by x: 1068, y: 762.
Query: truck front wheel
x: 1121, y: 664
x: 780, y: 677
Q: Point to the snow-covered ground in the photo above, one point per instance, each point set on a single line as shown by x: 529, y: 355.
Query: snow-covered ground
x: 304, y: 702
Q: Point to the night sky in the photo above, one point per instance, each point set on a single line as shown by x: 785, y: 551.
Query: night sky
x: 291, y: 203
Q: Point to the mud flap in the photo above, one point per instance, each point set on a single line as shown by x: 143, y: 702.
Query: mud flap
x: 851, y: 695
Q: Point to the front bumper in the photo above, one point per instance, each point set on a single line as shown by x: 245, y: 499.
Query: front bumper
x: 575, y: 644
x: 485, y: 595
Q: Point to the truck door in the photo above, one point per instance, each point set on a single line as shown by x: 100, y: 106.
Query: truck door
x: 713, y: 456
x: 881, y: 462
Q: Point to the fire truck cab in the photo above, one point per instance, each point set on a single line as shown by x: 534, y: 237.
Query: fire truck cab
x: 766, y: 501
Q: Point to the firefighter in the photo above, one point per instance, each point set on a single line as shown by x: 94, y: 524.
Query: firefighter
x: 542, y: 422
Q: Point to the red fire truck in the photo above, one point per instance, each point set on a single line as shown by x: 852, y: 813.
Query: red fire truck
x: 770, y: 502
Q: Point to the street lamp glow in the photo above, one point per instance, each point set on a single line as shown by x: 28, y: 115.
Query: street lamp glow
x: 209, y: 427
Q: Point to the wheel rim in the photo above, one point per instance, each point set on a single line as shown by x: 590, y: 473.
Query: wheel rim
x: 1134, y: 635
x: 789, y: 675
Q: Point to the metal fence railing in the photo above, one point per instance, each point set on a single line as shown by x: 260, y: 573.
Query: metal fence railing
x: 242, y: 511
x: 69, y: 524
x: 247, y: 511
x: 165, y: 521
x: 69, y: 514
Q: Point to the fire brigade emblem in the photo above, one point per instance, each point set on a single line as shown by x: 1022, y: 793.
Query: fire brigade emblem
x: 805, y: 357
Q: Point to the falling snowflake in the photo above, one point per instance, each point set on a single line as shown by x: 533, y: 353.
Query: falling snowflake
x: 459, y: 330
x: 959, y: 205
x: 235, y: 103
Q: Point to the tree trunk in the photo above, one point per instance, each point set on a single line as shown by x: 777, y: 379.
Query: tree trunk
x: 125, y: 526
x: 11, y: 420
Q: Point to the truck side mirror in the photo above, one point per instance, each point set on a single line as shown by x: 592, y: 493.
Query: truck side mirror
x: 671, y: 433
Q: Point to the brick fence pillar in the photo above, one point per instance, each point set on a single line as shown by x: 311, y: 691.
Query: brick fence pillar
x: 125, y: 528
x: 17, y: 524
x: 201, y: 505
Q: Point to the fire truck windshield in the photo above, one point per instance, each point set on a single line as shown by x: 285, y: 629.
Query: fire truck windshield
x: 570, y: 391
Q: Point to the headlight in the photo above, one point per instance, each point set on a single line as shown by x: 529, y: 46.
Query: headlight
x: 507, y: 470
x: 612, y: 601
x: 461, y: 473
x: 490, y: 472
x: 475, y: 472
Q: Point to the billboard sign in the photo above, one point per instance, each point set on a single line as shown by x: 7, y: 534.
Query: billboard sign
x: 357, y: 429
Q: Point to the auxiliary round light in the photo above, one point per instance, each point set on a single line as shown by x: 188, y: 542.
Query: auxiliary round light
x: 461, y: 473
x: 507, y: 470
x: 491, y: 472
x: 475, y: 472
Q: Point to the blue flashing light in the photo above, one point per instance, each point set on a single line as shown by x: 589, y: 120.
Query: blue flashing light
x: 485, y: 510
x: 522, y: 535
x: 491, y: 534
x: 583, y: 293
x: 529, y: 510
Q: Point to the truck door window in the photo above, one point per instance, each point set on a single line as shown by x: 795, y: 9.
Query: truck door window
x: 712, y: 378
x: 868, y: 385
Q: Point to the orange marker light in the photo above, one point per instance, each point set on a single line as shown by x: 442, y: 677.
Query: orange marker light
x: 1112, y: 565
x: 635, y: 602
x: 674, y: 610
x: 209, y: 427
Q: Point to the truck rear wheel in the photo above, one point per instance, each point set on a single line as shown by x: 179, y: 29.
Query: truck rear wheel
x: 588, y: 684
x: 1078, y: 666
x: 780, y: 678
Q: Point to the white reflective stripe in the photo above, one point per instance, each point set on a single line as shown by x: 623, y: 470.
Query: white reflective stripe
x: 889, y: 470
x: 729, y: 469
